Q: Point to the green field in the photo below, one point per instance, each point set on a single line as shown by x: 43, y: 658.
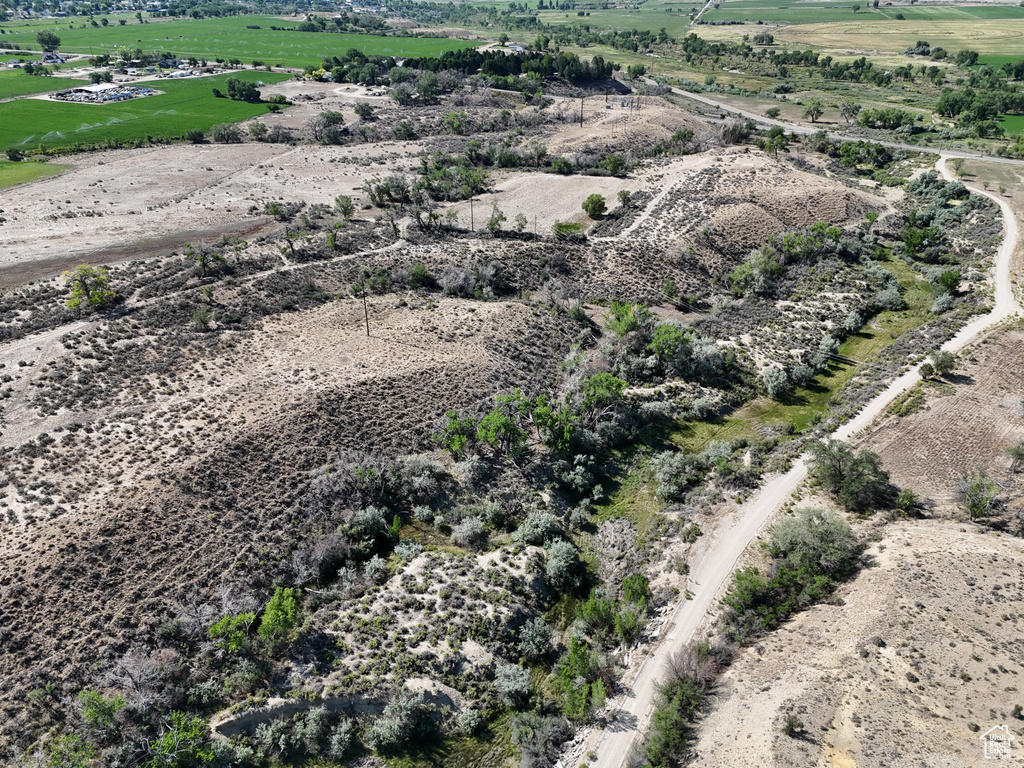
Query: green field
x: 652, y: 15
x: 821, y: 12
x: 1012, y: 123
x: 225, y: 38
x: 19, y: 173
x: 29, y: 123
x: 14, y: 82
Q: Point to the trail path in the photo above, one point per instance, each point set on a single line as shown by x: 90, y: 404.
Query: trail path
x: 710, y: 575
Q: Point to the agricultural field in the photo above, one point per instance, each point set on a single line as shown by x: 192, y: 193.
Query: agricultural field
x: 674, y: 18
x: 987, y: 36
x: 825, y: 12
x: 185, y: 104
x: 14, y: 82
x: 226, y: 38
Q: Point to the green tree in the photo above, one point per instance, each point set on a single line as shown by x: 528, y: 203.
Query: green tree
x: 977, y: 492
x: 943, y: 362
x: 90, y: 287
x: 625, y: 317
x: 577, y: 675
x: 364, y: 110
x: 495, y: 221
x: 344, y: 206
x: 242, y: 90
x: 231, y: 632
x: 206, y: 259
x: 99, y: 712
x: 47, y: 40
x: 855, y: 479
x: 595, y: 206
x: 184, y: 742
x: 456, y: 434
x: 280, y: 615
x: 814, y: 110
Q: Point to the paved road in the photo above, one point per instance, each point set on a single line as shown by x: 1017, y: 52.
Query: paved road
x: 711, y: 574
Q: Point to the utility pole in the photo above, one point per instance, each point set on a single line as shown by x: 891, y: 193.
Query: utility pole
x: 366, y: 314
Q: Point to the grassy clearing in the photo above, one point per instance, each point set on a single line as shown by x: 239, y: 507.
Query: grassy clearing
x: 12, y: 174
x: 491, y: 747
x: 186, y: 104
x: 631, y: 495
x: 226, y: 38
x: 14, y: 82
x: 1012, y: 123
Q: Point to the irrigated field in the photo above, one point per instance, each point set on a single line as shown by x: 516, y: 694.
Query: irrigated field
x: 228, y: 38
x: 185, y: 104
x: 17, y: 83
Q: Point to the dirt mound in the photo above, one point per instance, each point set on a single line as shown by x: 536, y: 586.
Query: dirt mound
x: 925, y: 642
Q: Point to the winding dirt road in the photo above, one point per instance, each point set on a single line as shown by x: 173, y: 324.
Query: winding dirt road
x: 710, y: 576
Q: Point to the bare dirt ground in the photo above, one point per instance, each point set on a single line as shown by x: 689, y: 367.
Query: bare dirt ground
x: 918, y: 658
x: 967, y: 424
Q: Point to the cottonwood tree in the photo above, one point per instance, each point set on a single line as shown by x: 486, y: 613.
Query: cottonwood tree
x: 90, y: 287
x: 814, y: 110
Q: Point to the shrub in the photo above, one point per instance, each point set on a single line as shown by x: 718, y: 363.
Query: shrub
x: 512, y: 683
x: 469, y: 721
x: 675, y: 472
x: 817, y: 541
x: 562, y: 566
x: 775, y: 381
x: 535, y: 638
x: 977, y: 492
x: 539, y: 738
x: 405, y: 720
x: 342, y: 738
x: 538, y: 528
x: 890, y: 299
x: 195, y: 135
x: 469, y: 534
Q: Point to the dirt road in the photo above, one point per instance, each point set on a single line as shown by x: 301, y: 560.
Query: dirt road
x: 634, y: 706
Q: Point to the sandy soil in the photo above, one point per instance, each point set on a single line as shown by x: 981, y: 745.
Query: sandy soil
x: 920, y: 655
x: 966, y: 425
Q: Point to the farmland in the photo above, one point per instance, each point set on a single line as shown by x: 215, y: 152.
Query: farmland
x: 988, y: 36
x: 17, y: 83
x: 185, y: 104
x: 227, y: 38
x: 823, y: 12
